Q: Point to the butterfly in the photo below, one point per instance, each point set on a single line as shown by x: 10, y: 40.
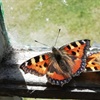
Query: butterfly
x: 93, y: 62
x: 61, y: 64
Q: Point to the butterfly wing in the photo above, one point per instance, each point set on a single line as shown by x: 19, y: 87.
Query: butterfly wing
x: 78, y: 50
x: 93, y: 62
x: 55, y: 74
x: 37, y: 65
x: 45, y: 64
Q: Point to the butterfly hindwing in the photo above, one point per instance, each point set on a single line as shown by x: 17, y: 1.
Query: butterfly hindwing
x: 55, y: 74
x: 37, y: 65
x: 57, y: 79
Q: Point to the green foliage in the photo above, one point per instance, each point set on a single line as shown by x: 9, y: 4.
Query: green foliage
x: 77, y: 19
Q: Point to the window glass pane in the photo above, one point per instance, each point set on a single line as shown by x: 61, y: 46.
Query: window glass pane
x: 29, y: 20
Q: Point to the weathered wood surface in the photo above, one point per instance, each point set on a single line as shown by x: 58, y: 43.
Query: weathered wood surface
x: 13, y: 81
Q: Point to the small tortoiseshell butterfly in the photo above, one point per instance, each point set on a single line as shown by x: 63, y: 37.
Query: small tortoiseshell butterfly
x: 93, y: 62
x: 61, y: 64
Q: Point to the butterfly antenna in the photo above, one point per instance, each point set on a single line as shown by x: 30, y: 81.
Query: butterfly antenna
x: 40, y: 42
x: 57, y: 37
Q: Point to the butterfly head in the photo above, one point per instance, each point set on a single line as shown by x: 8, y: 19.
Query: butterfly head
x: 54, y: 49
x: 56, y: 53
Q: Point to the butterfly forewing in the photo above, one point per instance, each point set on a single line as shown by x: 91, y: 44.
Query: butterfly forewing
x: 37, y: 65
x: 77, y: 49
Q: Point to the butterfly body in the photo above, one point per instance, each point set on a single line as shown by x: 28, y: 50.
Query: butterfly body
x: 61, y: 64
x: 64, y: 61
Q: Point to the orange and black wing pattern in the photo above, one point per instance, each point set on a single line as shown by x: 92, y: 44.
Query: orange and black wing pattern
x: 55, y: 74
x: 93, y: 62
x: 78, y: 50
x: 37, y: 65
